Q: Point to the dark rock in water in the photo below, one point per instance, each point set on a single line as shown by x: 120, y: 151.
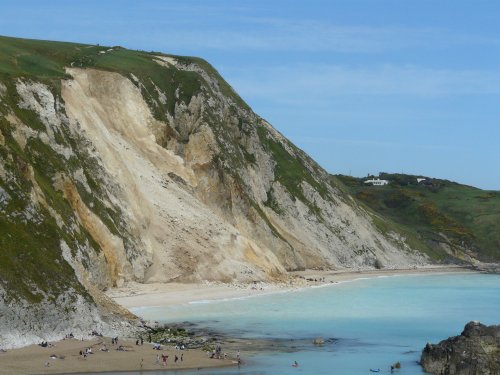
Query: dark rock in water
x: 475, y: 352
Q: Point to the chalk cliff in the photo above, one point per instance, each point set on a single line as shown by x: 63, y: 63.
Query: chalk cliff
x: 120, y: 165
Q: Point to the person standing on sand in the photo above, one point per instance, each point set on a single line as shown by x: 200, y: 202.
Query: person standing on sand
x: 164, y: 359
x: 182, y: 357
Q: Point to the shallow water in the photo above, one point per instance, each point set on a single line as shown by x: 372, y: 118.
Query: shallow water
x: 377, y: 322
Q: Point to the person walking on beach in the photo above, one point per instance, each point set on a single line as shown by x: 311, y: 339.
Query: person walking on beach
x: 164, y: 359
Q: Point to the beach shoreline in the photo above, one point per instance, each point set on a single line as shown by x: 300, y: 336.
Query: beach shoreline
x: 136, y: 296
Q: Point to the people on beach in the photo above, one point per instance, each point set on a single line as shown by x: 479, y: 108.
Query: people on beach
x: 182, y: 357
x: 176, y: 358
x: 164, y: 358
x: 218, y: 351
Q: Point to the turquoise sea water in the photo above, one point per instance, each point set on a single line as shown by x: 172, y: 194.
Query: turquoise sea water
x: 376, y: 322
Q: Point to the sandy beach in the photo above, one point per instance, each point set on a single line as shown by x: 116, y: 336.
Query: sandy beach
x: 33, y: 359
x: 135, y: 295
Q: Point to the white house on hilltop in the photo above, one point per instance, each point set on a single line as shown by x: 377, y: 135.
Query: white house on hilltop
x: 377, y: 182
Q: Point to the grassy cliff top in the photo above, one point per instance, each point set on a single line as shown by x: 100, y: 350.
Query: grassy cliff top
x: 47, y: 60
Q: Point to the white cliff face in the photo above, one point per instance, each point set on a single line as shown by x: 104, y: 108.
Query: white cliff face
x: 104, y: 184
x: 23, y: 323
x: 189, y: 221
x: 179, y: 237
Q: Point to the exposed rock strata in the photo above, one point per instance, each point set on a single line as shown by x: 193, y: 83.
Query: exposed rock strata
x: 475, y: 352
x: 109, y: 176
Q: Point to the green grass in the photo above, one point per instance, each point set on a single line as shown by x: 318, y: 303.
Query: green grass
x: 468, y: 216
x: 31, y: 263
x: 42, y: 59
x: 290, y: 171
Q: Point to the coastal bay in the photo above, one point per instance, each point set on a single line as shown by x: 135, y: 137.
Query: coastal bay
x: 365, y: 322
x: 370, y: 317
x: 140, y: 297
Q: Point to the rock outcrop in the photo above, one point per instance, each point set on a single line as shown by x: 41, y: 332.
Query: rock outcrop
x: 475, y: 352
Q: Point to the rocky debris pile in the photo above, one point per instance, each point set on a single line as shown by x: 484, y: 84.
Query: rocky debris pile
x: 475, y: 352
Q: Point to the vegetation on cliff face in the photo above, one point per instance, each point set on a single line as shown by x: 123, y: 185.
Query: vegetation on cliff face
x: 75, y: 218
x: 449, y: 220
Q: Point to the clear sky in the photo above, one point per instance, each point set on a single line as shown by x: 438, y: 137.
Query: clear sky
x: 407, y: 86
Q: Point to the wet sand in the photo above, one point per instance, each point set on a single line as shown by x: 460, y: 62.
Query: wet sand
x: 33, y: 359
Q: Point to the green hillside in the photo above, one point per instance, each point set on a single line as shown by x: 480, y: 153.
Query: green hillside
x: 434, y: 213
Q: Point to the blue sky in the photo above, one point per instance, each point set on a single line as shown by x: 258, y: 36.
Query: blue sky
x: 407, y: 86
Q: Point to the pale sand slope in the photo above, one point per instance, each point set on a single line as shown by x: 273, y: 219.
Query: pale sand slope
x: 32, y: 359
x: 144, y: 295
